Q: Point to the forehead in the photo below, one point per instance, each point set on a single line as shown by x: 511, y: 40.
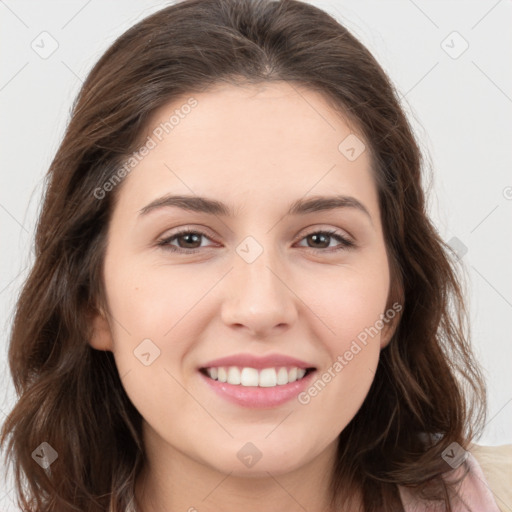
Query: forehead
x: 264, y: 141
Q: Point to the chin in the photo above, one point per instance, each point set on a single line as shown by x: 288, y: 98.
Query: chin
x: 251, y: 464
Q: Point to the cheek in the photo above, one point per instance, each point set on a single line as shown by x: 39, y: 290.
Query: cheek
x: 350, y: 305
x: 159, y: 314
x: 153, y: 302
x: 152, y: 333
x: 342, y: 384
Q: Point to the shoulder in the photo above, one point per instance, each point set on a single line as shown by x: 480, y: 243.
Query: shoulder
x: 495, y: 463
x: 486, y: 483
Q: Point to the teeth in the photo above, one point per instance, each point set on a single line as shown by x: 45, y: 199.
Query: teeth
x: 282, y: 376
x: 249, y: 377
x: 268, y: 378
x: 233, y: 375
x: 222, y: 376
x: 265, y: 378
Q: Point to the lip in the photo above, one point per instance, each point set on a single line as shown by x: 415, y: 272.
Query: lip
x: 258, y: 362
x: 256, y: 397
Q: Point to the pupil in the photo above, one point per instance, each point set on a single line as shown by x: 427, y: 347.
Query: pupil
x: 188, y: 236
x: 317, y: 236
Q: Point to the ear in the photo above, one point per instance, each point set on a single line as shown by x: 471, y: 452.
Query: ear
x: 100, y: 336
x: 389, y: 329
x: 394, y: 306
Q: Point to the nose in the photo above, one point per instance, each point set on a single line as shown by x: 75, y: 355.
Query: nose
x: 258, y: 299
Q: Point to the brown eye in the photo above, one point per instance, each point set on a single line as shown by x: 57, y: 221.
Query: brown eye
x: 189, y: 239
x: 321, y: 240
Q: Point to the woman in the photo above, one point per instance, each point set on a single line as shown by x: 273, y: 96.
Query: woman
x: 260, y: 369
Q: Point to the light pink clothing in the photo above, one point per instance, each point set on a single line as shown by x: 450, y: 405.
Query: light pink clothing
x: 473, y: 493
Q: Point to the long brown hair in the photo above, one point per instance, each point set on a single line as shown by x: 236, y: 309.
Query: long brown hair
x: 428, y: 390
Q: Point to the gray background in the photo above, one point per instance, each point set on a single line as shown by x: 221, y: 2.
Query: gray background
x: 460, y: 107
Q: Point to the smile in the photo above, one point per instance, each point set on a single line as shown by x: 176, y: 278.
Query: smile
x: 252, y: 377
x: 257, y: 389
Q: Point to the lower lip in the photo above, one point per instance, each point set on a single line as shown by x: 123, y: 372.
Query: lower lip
x: 257, y: 397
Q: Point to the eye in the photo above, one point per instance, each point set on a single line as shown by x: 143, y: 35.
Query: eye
x: 192, y: 238
x: 325, y: 237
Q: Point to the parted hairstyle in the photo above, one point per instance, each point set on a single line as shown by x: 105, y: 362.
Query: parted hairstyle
x: 428, y: 389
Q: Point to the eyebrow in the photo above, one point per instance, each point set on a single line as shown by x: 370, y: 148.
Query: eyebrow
x: 214, y: 207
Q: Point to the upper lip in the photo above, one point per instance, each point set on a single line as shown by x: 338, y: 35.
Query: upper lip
x: 258, y: 362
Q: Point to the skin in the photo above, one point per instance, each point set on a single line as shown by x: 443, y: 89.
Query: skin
x: 258, y: 149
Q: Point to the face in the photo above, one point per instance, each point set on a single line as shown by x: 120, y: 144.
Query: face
x: 297, y: 301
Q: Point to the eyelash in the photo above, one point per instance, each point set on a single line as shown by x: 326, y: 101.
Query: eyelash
x: 165, y: 243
